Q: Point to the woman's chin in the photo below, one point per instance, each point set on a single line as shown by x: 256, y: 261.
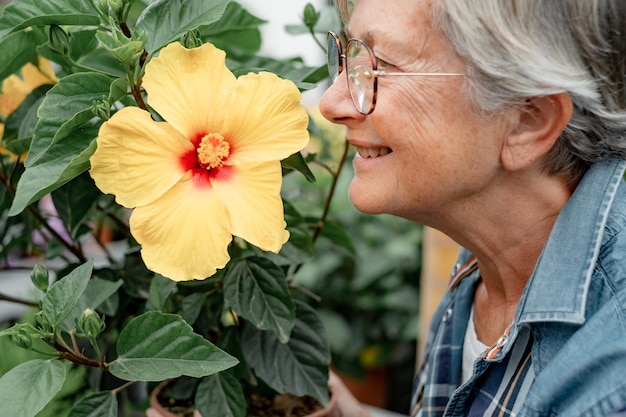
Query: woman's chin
x: 365, y: 201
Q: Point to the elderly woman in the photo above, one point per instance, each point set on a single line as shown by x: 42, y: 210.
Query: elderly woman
x: 500, y: 123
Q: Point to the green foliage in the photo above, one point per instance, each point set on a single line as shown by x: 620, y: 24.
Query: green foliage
x: 40, y: 379
x: 100, y: 313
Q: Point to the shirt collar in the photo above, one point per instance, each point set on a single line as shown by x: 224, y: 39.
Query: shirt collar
x: 558, y: 288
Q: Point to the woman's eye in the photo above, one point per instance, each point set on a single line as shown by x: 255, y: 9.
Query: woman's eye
x: 384, y: 65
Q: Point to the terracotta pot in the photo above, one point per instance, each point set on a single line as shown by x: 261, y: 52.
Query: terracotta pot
x: 157, y: 410
x: 372, y: 389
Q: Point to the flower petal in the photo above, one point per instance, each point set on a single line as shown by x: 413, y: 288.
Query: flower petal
x: 137, y: 159
x: 42, y: 73
x: 190, y: 87
x: 184, y: 234
x: 255, y: 207
x: 265, y: 120
x: 14, y: 90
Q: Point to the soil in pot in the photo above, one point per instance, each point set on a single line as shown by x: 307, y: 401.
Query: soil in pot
x: 281, y: 405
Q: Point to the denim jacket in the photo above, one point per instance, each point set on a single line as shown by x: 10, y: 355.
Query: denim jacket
x: 573, y: 312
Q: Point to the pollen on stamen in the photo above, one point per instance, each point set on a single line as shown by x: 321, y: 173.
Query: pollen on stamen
x: 213, y: 150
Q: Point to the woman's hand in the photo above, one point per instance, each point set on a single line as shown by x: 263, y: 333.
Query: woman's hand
x: 343, y: 403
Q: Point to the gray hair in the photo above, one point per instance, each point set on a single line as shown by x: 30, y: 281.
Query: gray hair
x: 517, y: 49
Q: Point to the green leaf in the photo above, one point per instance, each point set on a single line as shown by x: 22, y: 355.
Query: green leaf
x: 160, y: 290
x: 63, y: 142
x: 74, y: 202
x: 237, y: 32
x: 192, y: 305
x: 157, y: 346
x: 165, y: 21
x: 69, y: 159
x: 304, y: 359
x: 26, y: 389
x: 296, y: 162
x: 21, y: 123
x: 96, y: 293
x: 257, y: 290
x: 21, y: 14
x: 337, y: 234
x: 63, y: 295
x: 220, y: 395
x: 99, y: 404
x: 18, y: 49
x: 67, y: 107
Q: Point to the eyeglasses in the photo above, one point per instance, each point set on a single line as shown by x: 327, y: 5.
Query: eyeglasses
x: 362, y: 70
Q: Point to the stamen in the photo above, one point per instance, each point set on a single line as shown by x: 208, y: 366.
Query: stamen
x: 213, y: 150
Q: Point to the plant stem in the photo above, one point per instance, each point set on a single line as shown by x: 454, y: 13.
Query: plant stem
x: 74, y: 342
x: 42, y: 220
x: 316, y: 40
x: 77, y: 357
x: 123, y: 387
x: 5, y: 297
x: 73, y: 249
x: 331, y: 192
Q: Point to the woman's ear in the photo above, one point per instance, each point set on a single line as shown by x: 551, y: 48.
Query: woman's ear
x: 541, y: 122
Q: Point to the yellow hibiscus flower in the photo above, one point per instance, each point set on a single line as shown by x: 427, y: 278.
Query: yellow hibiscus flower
x: 211, y: 170
x: 15, y: 88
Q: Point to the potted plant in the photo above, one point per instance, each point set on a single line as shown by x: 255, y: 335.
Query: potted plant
x: 141, y: 175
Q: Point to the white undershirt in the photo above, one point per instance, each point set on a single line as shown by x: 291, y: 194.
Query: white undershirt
x: 472, y: 348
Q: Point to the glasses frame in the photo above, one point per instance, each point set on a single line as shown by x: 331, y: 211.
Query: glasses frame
x: 342, y: 60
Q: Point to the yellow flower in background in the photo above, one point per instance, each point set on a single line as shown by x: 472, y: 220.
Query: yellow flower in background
x: 211, y: 170
x: 15, y: 88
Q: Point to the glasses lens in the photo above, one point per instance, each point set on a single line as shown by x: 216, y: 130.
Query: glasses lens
x: 360, y: 75
x: 333, y: 56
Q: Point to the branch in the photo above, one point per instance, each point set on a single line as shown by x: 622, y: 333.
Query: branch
x: 5, y: 297
x: 77, y: 357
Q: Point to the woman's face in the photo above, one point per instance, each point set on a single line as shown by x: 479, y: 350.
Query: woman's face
x: 424, y: 150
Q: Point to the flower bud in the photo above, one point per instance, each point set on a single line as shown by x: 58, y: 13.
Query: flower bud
x: 42, y: 322
x: 101, y: 108
x: 59, y: 40
x: 90, y: 323
x: 22, y: 337
x: 103, y: 6
x: 191, y: 39
x: 40, y: 277
x: 116, y: 7
x: 311, y: 16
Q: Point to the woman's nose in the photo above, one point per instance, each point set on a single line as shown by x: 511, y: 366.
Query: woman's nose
x: 336, y: 104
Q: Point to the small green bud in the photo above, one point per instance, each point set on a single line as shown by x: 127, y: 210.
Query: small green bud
x: 311, y: 16
x: 103, y: 6
x: 91, y: 323
x: 40, y: 277
x: 42, y: 322
x: 116, y: 7
x: 191, y: 39
x: 101, y: 108
x: 59, y: 40
x: 22, y: 337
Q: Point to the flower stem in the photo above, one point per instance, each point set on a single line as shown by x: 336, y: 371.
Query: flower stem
x: 316, y: 40
x: 333, y: 186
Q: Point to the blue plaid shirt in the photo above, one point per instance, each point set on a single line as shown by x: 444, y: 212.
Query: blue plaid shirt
x: 565, y: 352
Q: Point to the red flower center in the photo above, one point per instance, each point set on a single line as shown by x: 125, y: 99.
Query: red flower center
x: 206, y: 161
